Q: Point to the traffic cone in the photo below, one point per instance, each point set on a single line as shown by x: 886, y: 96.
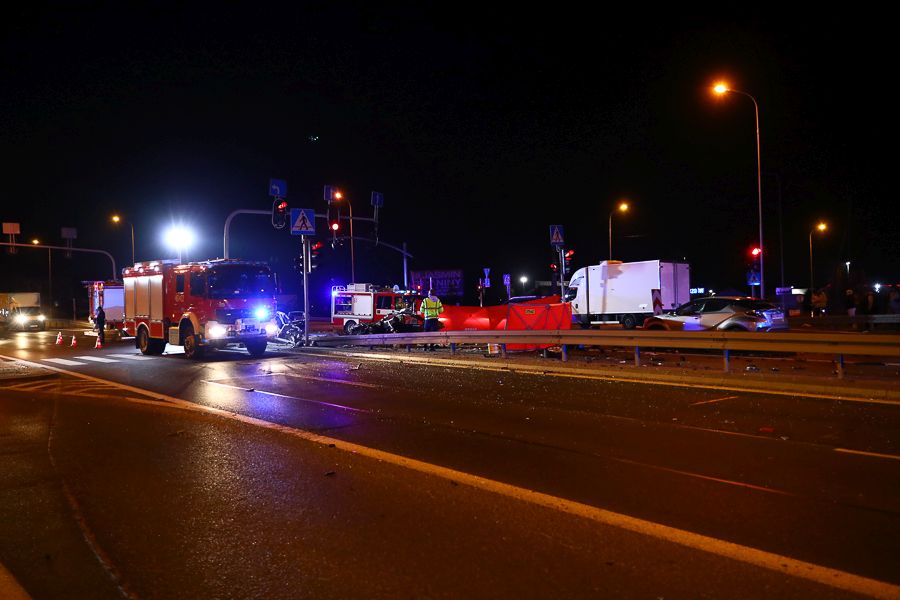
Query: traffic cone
x: 59, y: 340
x: 74, y: 342
x: 97, y: 344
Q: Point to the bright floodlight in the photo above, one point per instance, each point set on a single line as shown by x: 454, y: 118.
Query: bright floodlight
x: 623, y: 206
x: 720, y: 88
x: 116, y: 218
x: 523, y: 279
x: 179, y: 237
x: 821, y: 226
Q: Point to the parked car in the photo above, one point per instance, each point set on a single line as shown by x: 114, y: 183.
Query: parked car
x: 722, y: 313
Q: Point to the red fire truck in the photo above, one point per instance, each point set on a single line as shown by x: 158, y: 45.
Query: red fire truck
x: 365, y: 303
x: 200, y: 305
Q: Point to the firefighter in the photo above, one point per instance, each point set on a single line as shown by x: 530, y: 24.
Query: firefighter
x: 431, y: 308
x: 100, y: 321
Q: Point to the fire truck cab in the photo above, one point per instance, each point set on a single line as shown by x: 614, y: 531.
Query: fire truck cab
x: 365, y: 303
x: 200, y: 305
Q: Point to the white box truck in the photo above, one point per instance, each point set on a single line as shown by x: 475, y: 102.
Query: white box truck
x: 22, y: 310
x: 627, y: 293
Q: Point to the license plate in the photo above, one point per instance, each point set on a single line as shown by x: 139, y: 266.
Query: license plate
x: 248, y: 324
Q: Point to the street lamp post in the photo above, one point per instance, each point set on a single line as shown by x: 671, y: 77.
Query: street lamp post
x: 721, y: 89
x: 117, y: 219
x: 623, y: 207
x: 819, y: 227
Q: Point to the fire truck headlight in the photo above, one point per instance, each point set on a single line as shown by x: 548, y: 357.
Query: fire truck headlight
x: 20, y: 319
x: 216, y: 331
x: 271, y: 329
x: 261, y: 313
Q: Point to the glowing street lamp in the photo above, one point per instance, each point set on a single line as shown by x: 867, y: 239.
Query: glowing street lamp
x: 117, y: 219
x: 622, y: 208
x: 523, y: 280
x: 721, y: 89
x: 180, y: 238
x: 35, y: 241
x: 820, y: 227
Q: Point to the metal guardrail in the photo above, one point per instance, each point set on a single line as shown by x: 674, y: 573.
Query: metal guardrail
x: 837, y: 344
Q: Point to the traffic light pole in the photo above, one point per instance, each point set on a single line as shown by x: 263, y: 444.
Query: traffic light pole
x: 304, y: 249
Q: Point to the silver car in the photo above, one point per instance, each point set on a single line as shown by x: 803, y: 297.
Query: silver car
x: 723, y: 313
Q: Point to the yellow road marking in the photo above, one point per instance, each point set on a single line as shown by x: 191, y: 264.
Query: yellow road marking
x: 860, y: 452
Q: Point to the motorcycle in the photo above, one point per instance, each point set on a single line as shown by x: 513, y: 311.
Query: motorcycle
x: 399, y: 321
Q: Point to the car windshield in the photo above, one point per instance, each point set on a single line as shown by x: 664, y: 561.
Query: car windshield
x: 240, y: 281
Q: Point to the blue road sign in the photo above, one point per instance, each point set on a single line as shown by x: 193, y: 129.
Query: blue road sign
x: 303, y: 221
x: 278, y: 188
x: 487, y: 282
x: 377, y: 199
x: 556, y: 236
x: 506, y: 279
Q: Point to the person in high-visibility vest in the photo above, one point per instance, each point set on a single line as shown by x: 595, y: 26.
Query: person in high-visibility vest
x: 431, y: 309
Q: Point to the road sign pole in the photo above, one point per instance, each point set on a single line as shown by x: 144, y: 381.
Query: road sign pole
x: 304, y: 249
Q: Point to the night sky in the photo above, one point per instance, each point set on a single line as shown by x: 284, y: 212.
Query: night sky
x: 481, y: 125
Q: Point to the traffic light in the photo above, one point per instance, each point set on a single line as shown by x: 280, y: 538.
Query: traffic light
x: 568, y: 256
x: 279, y: 212
x: 554, y: 267
x: 298, y: 263
x: 314, y: 254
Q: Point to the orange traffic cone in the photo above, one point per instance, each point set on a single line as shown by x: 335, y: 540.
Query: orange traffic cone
x: 98, y: 344
x: 74, y: 342
x: 59, y: 340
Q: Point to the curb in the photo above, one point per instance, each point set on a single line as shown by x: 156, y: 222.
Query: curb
x: 824, y: 389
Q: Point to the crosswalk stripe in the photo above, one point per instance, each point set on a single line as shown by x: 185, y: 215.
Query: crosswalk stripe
x: 132, y: 356
x: 63, y: 361
x: 98, y: 359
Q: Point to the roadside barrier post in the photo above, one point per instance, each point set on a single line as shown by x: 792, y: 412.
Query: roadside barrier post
x: 452, y: 348
x: 637, y: 356
x: 503, y: 350
x: 725, y: 356
x: 565, y: 353
x: 840, y: 366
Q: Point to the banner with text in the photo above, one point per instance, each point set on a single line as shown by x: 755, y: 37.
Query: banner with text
x: 444, y: 283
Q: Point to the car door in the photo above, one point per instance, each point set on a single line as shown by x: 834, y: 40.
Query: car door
x: 714, y: 311
x: 688, y: 315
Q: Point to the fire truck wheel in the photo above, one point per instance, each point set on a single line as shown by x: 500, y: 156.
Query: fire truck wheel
x: 257, y: 348
x: 348, y: 326
x: 192, y: 349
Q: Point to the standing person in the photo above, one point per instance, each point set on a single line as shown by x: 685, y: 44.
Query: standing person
x: 100, y: 321
x: 431, y: 309
x: 850, y: 303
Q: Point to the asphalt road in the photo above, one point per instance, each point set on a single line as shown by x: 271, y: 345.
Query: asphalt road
x: 302, y: 475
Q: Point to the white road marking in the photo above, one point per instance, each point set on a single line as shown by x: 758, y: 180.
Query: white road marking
x: 774, y: 562
x: 277, y: 395
x: 714, y: 400
x: 64, y: 361
x: 132, y: 356
x: 98, y: 359
x: 759, y: 488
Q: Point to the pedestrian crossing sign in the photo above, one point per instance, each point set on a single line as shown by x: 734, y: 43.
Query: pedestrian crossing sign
x: 303, y: 221
x: 556, y: 235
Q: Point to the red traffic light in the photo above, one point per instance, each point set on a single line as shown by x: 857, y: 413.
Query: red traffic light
x: 570, y: 253
x: 335, y: 226
x: 553, y: 267
x: 316, y: 246
x: 756, y: 252
x: 282, y: 206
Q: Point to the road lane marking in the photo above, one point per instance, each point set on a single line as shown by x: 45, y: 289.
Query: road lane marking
x: 860, y: 452
x: 277, y: 395
x: 330, y: 380
x: 64, y: 361
x: 132, y: 356
x: 714, y: 400
x: 752, y: 556
x: 759, y: 488
x: 98, y: 359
